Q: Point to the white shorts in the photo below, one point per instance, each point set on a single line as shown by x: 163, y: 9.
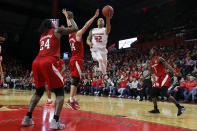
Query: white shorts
x: 99, y: 53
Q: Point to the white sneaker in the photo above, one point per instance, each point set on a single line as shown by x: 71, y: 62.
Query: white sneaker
x: 105, y: 77
x: 27, y: 121
x: 56, y: 125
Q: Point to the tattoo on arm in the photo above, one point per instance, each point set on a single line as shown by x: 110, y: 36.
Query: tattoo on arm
x: 161, y: 60
x: 68, y: 30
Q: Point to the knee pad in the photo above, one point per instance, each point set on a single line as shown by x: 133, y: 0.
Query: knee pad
x: 39, y: 92
x: 59, y: 91
x: 75, y: 81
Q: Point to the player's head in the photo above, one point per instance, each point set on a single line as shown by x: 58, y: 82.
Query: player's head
x: 100, y: 22
x: 46, y: 25
x: 153, y: 51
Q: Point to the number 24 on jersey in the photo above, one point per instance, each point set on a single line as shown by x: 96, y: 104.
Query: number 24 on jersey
x: 45, y: 45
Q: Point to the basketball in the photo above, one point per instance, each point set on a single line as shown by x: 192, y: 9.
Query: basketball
x: 107, y: 9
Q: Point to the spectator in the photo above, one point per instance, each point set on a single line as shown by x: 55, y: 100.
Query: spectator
x: 133, y: 88
x: 191, y: 89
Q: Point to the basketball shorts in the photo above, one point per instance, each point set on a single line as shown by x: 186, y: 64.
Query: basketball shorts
x: 99, y: 53
x: 76, y: 67
x: 161, y: 81
x: 45, y: 72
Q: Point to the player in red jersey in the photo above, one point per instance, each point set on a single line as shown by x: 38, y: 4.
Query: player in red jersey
x: 44, y: 71
x: 161, y: 81
x: 76, y: 61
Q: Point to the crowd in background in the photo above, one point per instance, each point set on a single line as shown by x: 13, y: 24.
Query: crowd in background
x: 125, y: 70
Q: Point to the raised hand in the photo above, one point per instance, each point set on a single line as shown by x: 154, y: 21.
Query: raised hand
x: 65, y: 12
x: 96, y: 13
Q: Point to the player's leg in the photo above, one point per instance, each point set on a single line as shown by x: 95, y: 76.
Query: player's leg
x: 94, y: 55
x: 55, y: 82
x: 72, y: 102
x: 154, y: 93
x: 40, y: 82
x: 100, y: 59
x: 49, y: 100
x: 76, y: 69
x: 55, y: 123
x: 104, y: 56
x: 79, y: 66
x: 164, y: 91
x: 165, y: 83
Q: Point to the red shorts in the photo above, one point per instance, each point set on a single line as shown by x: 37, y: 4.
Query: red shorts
x: 76, y: 67
x: 161, y: 81
x: 44, y: 72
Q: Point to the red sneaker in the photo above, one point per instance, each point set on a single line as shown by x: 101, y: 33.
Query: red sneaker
x: 71, y: 105
x: 76, y: 104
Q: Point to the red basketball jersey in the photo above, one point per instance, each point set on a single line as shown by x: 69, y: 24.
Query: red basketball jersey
x: 49, y: 44
x: 158, y: 68
x: 76, y: 47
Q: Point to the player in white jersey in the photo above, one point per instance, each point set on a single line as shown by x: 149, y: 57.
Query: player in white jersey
x: 97, y: 40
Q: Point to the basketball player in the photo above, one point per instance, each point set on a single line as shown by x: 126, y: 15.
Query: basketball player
x: 97, y: 40
x: 44, y: 71
x: 2, y: 39
x: 161, y: 81
x: 76, y: 61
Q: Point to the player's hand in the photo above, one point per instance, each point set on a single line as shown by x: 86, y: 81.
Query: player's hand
x: 109, y: 16
x: 96, y: 13
x: 178, y: 74
x: 65, y: 12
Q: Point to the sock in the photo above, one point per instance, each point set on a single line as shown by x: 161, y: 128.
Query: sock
x: 56, y: 118
x: 74, y: 98
x: 49, y: 100
x: 29, y: 114
x: 178, y: 105
x: 71, y: 99
x: 155, y: 107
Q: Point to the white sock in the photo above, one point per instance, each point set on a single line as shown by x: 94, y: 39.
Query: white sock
x: 49, y: 100
x: 71, y: 99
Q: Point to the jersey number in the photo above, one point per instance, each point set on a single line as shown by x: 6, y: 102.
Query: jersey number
x: 98, y: 38
x: 72, y: 44
x: 46, y: 44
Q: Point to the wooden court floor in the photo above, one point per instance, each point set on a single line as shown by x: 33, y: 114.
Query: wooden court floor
x: 119, y: 107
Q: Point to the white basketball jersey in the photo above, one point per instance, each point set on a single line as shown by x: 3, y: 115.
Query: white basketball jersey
x: 99, y: 37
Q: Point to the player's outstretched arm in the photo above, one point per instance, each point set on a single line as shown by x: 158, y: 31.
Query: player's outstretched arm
x: 71, y: 23
x: 85, y: 27
x: 161, y: 60
x: 89, y: 39
x: 108, y: 24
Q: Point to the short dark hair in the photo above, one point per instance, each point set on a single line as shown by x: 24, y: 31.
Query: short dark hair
x: 45, y: 26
